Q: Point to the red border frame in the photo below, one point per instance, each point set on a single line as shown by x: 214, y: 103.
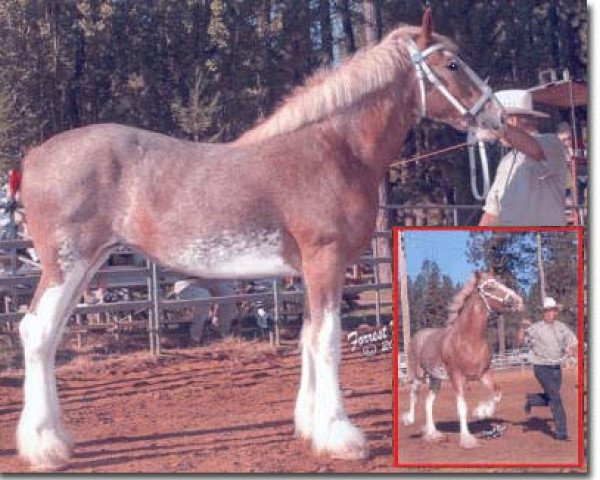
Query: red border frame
x: 580, y: 366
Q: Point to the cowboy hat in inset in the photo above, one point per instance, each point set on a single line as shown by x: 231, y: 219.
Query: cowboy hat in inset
x: 550, y: 304
x: 518, y: 102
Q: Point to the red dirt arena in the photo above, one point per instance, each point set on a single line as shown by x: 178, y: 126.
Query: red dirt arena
x: 526, y: 438
x: 223, y: 408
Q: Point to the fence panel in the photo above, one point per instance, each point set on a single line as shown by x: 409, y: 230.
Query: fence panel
x: 153, y: 279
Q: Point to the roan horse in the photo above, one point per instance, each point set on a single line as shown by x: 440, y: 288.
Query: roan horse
x: 459, y: 352
x: 295, y: 195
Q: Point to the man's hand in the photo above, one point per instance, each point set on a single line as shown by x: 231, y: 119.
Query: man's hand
x: 523, y: 142
x: 487, y: 219
x: 487, y: 135
x: 525, y: 324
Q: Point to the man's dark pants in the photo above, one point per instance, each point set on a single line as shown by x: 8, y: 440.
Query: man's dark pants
x: 550, y: 378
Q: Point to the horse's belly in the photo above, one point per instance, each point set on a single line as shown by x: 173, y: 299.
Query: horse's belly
x: 234, y: 255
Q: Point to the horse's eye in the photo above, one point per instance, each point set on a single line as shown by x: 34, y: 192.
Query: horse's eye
x: 453, y: 66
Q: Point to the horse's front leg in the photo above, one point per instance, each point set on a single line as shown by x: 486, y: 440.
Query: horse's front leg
x: 332, y: 431
x: 305, y: 402
x: 487, y: 408
x: 467, y: 440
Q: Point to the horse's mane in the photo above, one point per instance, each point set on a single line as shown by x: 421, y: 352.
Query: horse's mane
x: 458, y: 302
x: 369, y: 70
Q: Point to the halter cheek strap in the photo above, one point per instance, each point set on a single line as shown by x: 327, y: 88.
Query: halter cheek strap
x: 485, y: 295
x: 423, y: 72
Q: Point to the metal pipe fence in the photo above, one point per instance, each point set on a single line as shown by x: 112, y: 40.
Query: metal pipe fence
x: 16, y: 283
x: 18, y: 286
x: 447, y: 215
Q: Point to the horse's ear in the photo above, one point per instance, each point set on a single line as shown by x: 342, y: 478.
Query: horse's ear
x: 426, y: 29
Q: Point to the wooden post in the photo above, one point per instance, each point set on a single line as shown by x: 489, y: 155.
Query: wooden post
x: 501, y: 323
x: 156, y: 307
x: 276, y: 310
x: 151, y: 311
x: 377, y: 280
x: 541, y: 267
x: 78, y: 322
x: 403, y: 284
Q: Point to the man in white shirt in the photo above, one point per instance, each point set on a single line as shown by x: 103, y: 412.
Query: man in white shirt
x: 529, y: 187
x: 550, y: 342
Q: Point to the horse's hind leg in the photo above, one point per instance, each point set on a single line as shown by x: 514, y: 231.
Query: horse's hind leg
x: 430, y: 433
x: 41, y: 436
x: 487, y: 408
x: 332, y: 431
x: 408, y: 417
x: 417, y: 374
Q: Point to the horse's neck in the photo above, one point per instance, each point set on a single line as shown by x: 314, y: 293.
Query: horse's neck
x: 473, y: 318
x: 376, y: 127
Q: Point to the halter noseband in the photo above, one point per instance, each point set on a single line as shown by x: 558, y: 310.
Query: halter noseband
x: 423, y: 70
x: 485, y: 295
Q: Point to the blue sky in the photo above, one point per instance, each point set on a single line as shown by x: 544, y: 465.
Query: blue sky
x: 446, y: 247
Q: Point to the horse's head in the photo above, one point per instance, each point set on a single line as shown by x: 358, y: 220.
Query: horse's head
x: 497, y: 296
x: 449, y: 90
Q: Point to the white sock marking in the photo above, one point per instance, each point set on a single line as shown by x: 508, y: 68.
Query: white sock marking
x: 41, y: 437
x: 305, y: 402
x: 333, y: 431
x: 429, y: 423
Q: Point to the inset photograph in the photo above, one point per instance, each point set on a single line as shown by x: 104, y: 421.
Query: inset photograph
x: 490, y: 348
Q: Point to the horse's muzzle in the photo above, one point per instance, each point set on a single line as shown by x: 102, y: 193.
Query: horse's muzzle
x: 491, y: 117
x: 515, y: 304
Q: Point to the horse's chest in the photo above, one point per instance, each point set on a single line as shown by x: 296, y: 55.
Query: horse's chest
x: 473, y: 362
x: 229, y: 254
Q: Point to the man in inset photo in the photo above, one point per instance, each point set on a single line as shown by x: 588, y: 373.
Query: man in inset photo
x: 551, y: 343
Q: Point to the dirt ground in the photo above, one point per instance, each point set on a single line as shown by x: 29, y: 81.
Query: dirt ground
x: 527, y: 439
x: 223, y: 408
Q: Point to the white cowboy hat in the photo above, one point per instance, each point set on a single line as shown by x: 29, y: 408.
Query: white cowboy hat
x: 518, y: 102
x: 550, y: 304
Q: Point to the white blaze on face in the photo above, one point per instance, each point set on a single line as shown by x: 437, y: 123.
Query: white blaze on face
x: 233, y: 254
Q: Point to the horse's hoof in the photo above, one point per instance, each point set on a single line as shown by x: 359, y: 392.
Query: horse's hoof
x: 434, y: 437
x: 341, y: 440
x: 407, y: 418
x: 484, y: 410
x: 468, y: 442
x: 354, y: 452
x: 303, y: 428
x: 303, y: 421
x: 46, y: 450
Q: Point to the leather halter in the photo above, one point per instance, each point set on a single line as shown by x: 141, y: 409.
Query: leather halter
x: 485, y: 295
x: 423, y: 71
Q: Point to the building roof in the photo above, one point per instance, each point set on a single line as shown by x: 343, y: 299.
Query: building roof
x: 560, y: 93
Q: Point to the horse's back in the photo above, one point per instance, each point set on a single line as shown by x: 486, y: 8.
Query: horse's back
x: 77, y: 184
